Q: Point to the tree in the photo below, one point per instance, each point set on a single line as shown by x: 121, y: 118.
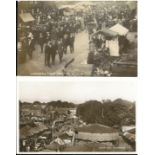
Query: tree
x: 118, y: 112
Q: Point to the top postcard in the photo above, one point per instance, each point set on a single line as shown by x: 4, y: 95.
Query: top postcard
x: 77, y: 38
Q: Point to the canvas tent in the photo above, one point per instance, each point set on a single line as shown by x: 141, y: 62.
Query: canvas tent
x: 106, y: 32
x: 76, y: 7
x: 28, y: 131
x: 119, y: 29
x: 97, y: 132
x: 86, y: 3
x: 67, y: 10
x: 66, y: 7
x: 79, y: 8
x: 26, y: 17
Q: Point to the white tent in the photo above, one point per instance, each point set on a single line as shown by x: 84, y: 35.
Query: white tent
x: 86, y: 3
x: 66, y: 7
x: 79, y: 7
x: 26, y: 17
x: 121, y: 30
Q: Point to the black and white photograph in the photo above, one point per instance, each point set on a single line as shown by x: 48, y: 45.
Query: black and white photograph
x: 77, y: 77
x: 62, y: 46
x: 77, y: 38
x: 76, y: 116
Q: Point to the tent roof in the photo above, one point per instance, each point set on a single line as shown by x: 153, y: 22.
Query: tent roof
x: 29, y: 131
x: 26, y: 17
x: 79, y: 7
x: 106, y: 32
x: 121, y: 30
x: 66, y: 7
x: 96, y: 128
x: 86, y: 3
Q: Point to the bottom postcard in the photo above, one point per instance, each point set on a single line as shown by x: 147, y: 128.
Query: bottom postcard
x: 76, y: 116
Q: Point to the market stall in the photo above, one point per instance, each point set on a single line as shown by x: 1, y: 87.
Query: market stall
x: 26, y: 17
x: 109, y: 38
x: 119, y: 29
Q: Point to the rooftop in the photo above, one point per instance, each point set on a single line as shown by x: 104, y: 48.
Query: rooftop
x: 96, y: 128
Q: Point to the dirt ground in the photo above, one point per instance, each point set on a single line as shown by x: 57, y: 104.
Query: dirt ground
x: 36, y: 65
x: 78, y: 67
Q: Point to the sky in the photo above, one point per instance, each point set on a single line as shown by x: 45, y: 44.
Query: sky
x: 76, y: 91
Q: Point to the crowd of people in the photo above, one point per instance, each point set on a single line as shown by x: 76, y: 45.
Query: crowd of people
x: 117, y: 13
x: 55, y: 32
x: 52, y: 31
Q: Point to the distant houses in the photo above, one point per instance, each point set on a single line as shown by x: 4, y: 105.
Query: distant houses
x: 31, y: 130
x: 58, y: 128
x: 39, y: 112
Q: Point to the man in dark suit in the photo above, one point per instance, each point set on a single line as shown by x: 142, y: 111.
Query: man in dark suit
x: 53, y: 50
x: 71, y: 42
x: 41, y: 41
x: 60, y: 49
x: 47, y: 53
x: 30, y: 46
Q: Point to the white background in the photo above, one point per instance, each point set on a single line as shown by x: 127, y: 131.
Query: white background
x: 146, y: 77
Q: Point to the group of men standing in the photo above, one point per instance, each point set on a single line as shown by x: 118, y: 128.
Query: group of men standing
x: 28, y: 45
x: 52, y: 44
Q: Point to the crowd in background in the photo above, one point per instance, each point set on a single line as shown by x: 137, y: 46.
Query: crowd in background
x: 55, y: 32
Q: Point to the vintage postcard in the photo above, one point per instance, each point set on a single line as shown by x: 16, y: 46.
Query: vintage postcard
x: 77, y: 38
x: 76, y: 116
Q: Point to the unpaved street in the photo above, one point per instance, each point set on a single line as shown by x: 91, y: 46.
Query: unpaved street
x: 36, y: 65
